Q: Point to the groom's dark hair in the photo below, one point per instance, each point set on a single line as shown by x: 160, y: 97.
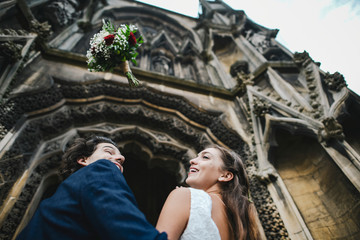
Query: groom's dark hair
x: 81, y: 148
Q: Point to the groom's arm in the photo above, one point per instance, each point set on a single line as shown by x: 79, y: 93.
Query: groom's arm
x: 110, y: 205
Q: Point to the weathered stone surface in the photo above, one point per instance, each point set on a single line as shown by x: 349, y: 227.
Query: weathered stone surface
x: 221, y: 79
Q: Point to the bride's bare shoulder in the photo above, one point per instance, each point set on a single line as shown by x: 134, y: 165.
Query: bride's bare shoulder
x: 180, y: 193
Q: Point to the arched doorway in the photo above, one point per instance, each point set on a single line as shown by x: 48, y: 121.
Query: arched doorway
x: 167, y: 129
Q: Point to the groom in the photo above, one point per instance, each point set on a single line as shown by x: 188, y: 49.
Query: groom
x: 95, y: 202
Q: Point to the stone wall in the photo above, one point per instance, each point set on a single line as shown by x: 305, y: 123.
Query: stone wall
x: 328, y: 202
x: 219, y: 78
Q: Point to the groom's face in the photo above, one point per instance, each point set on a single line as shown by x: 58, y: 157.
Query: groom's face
x: 105, y: 151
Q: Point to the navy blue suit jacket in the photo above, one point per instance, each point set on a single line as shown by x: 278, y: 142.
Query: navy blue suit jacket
x: 93, y: 203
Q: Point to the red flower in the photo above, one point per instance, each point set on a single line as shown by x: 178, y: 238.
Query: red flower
x: 109, y: 39
x: 93, y: 52
x: 132, y: 39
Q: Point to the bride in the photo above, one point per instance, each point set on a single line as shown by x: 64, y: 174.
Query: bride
x: 217, y: 204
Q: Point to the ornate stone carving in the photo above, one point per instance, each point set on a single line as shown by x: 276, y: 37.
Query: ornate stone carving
x: 261, y: 107
x: 317, y: 110
x: 12, y: 109
x: 162, y: 63
x: 52, y: 146
x: 268, y: 214
x: 11, y: 51
x: 239, y: 67
x: 258, y: 39
x: 8, y: 228
x: 13, y: 32
x: 302, y: 58
x: 331, y: 130
x: 15, y: 46
x: 149, y: 95
x: 240, y: 70
x: 267, y: 176
x: 36, y: 130
x: 61, y: 13
x: 89, y: 9
x: 66, y: 117
x: 335, y: 81
x: 42, y: 29
x: 276, y: 54
x: 158, y: 147
x: 71, y: 115
x: 10, y: 170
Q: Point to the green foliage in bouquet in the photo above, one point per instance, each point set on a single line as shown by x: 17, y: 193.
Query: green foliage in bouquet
x: 114, y: 47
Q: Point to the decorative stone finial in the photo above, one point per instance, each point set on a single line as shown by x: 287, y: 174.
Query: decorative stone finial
x: 42, y: 29
x: 331, y: 130
x: 335, y: 81
x: 302, y: 58
x: 11, y: 51
x: 261, y: 107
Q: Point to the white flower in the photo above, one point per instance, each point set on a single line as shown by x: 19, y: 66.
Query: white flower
x: 132, y: 28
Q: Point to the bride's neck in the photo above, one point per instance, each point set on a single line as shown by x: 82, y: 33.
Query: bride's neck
x: 214, y: 190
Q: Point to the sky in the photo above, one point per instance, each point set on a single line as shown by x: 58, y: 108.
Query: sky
x: 329, y: 30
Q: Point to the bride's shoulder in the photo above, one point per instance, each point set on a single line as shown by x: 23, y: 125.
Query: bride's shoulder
x: 188, y: 191
x: 183, y: 192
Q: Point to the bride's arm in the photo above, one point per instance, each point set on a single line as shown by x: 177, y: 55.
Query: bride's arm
x: 175, y: 213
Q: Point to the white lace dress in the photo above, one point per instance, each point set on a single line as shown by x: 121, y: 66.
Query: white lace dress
x: 200, y: 225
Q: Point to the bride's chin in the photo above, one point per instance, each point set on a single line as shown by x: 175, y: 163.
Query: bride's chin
x: 189, y: 182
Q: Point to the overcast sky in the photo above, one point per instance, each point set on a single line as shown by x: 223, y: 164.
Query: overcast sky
x: 329, y: 30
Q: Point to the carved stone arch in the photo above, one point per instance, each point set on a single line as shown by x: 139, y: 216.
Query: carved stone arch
x: 153, y: 144
x: 163, y: 40
x: 189, y: 48
x: 292, y: 125
x: 128, y: 12
x: 156, y: 149
x: 149, y: 19
x: 148, y: 120
x: 53, y: 98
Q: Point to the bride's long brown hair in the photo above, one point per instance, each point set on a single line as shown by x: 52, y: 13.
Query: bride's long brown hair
x: 240, y: 211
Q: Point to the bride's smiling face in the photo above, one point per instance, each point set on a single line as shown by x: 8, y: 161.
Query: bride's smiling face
x: 205, y: 169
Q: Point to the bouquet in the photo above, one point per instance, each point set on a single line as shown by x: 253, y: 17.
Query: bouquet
x: 113, y: 47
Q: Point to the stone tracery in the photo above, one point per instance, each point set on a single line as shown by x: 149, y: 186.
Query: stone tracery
x: 260, y: 87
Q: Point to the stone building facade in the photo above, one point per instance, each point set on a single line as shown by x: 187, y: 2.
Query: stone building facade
x: 219, y: 78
